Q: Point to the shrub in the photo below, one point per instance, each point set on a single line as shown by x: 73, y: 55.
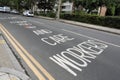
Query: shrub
x: 50, y: 14
x: 109, y: 21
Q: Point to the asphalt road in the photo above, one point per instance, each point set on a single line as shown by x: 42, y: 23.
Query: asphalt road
x: 67, y: 52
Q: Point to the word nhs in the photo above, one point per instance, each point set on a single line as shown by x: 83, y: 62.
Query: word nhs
x: 78, y: 56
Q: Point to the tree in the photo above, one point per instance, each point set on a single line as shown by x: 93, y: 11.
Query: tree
x: 46, y: 5
x: 58, y: 9
x: 4, y: 2
x: 94, y: 4
x: 11, y: 3
x: 14, y: 4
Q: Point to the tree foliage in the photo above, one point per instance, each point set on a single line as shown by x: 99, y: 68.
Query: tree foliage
x: 112, y: 5
x: 46, y: 4
x: 4, y: 2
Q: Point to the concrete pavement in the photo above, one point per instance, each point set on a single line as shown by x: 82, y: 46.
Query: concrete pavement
x: 102, y: 28
x: 10, y: 69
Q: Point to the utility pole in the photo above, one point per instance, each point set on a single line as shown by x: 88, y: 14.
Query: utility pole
x: 59, y: 9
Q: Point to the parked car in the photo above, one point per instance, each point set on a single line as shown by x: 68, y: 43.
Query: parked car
x: 28, y: 13
x: 14, y: 11
x: 5, y: 9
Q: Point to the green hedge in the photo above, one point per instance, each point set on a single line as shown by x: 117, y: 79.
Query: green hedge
x: 52, y: 15
x: 113, y: 22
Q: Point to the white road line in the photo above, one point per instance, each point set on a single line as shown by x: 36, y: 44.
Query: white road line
x: 36, y: 21
x: 91, y: 38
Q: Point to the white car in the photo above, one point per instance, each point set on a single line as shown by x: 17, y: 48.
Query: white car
x: 5, y: 9
x: 28, y: 13
x: 14, y: 11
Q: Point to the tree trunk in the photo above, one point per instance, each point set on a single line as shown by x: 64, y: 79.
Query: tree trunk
x: 59, y: 9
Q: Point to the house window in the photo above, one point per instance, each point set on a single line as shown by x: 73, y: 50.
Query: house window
x: 63, y: 7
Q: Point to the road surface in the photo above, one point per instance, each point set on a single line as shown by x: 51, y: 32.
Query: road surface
x: 60, y: 51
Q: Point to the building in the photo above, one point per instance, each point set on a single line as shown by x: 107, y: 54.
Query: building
x: 67, y: 7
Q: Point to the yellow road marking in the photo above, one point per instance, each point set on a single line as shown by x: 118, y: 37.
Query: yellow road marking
x: 28, y: 62
x: 2, y: 42
x: 37, y: 64
x: 31, y: 58
x: 13, y: 78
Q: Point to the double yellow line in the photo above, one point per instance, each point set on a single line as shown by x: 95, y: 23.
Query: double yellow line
x: 32, y: 63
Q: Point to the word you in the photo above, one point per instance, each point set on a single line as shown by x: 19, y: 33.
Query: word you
x: 78, y: 56
x: 3, y: 18
x: 14, y: 22
x: 20, y: 23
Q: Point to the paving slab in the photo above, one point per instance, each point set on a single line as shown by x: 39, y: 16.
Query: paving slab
x: 10, y: 69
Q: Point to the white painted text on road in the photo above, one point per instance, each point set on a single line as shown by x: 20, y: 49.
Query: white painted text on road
x: 56, y: 39
x: 78, y: 56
